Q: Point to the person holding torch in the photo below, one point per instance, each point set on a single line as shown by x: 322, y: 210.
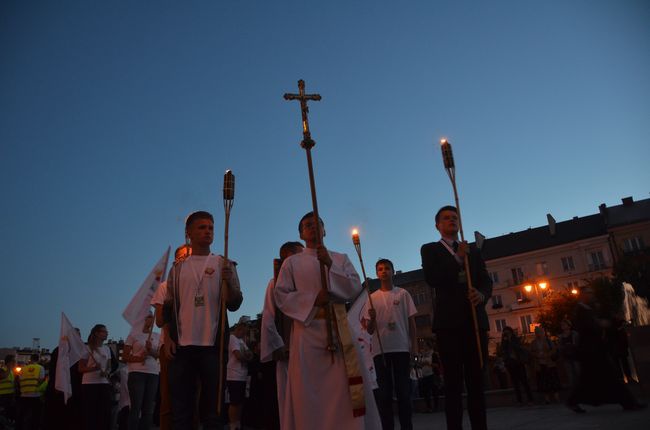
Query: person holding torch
x: 455, y: 304
x: 393, y: 316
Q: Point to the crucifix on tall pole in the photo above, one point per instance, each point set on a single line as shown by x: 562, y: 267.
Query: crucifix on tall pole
x: 307, y: 143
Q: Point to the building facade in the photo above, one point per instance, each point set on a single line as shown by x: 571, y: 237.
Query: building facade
x: 526, y: 266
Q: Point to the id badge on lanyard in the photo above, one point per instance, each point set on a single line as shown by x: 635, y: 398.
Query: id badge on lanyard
x: 199, y: 297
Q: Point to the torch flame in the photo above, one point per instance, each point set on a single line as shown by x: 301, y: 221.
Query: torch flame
x: 355, y: 232
x: 443, y: 141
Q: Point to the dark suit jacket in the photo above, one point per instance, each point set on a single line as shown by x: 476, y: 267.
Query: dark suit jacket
x: 451, y: 306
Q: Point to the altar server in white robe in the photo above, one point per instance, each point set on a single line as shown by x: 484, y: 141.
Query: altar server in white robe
x: 272, y: 342
x: 318, y: 395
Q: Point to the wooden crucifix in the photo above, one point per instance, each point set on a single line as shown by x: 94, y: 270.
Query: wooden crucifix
x: 308, y: 143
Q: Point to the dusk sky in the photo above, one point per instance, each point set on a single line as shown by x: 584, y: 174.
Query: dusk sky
x: 117, y: 119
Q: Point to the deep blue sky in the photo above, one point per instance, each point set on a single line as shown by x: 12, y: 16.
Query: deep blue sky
x: 117, y: 119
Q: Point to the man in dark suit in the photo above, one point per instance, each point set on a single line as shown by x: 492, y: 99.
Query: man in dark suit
x: 444, y: 270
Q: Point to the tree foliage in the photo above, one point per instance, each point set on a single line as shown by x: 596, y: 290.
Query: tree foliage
x: 557, y: 306
x: 634, y: 269
x: 561, y: 304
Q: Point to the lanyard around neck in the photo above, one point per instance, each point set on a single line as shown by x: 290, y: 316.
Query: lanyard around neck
x: 449, y: 248
x: 197, y: 277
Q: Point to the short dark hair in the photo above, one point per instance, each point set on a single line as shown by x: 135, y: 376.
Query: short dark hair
x: 34, y: 357
x: 385, y: 261
x: 308, y: 215
x: 288, y: 247
x: 195, y: 216
x: 9, y: 358
x: 445, y: 208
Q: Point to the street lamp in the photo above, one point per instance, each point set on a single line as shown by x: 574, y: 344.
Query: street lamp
x: 537, y: 286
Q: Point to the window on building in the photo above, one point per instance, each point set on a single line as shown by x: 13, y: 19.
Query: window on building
x: 419, y: 298
x: 597, y: 260
x: 526, y: 322
x: 500, y: 325
x: 633, y: 244
x: 542, y: 268
x: 521, y: 297
x: 422, y: 321
x: 572, y: 284
x: 496, y: 301
x: 567, y: 264
x: 495, y: 277
x: 517, y: 275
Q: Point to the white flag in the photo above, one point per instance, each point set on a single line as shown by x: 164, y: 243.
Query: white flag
x: 356, y: 313
x: 71, y: 348
x: 138, y: 307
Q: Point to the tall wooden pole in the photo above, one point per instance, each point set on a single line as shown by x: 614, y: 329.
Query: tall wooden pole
x: 228, y: 200
x: 307, y: 144
x: 357, y: 246
x: 448, y: 160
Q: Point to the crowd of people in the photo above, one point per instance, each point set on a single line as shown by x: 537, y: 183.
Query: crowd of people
x: 330, y: 355
x: 590, y: 351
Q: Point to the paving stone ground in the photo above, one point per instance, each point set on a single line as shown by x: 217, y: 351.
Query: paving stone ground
x: 547, y: 417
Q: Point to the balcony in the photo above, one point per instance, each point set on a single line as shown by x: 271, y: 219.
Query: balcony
x: 523, y: 304
x: 594, y: 267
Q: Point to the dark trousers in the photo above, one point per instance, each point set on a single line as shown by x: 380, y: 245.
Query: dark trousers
x: 429, y: 389
x: 8, y: 406
x: 191, y: 365
x: 29, y: 413
x: 96, y: 401
x: 165, y: 397
x: 519, y: 379
x: 270, y: 396
x: 394, y: 375
x: 142, y: 394
x: 460, y: 362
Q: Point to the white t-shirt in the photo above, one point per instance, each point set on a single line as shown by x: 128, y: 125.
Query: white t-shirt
x: 200, y: 287
x: 159, y: 299
x: 393, y: 308
x: 100, y: 356
x: 137, y: 341
x: 237, y: 370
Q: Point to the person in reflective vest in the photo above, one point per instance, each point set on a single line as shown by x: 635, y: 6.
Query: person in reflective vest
x: 8, y: 388
x: 29, y: 411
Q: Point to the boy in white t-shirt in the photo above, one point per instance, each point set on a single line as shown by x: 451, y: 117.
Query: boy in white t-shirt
x: 238, y: 357
x: 393, y: 317
x: 193, y: 309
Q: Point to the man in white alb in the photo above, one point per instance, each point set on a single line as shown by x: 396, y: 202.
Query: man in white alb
x: 274, y: 343
x: 324, y: 390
